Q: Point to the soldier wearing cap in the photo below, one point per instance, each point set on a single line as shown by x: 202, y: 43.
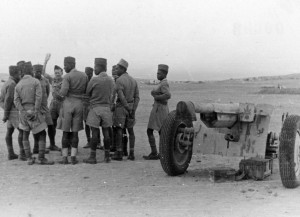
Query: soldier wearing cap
x: 99, y: 91
x: 126, y: 105
x: 71, y: 117
x: 22, y: 155
x: 56, y: 101
x: 11, y: 114
x: 86, y: 109
x: 113, y: 132
x: 37, y: 72
x: 28, y: 100
x: 160, y: 109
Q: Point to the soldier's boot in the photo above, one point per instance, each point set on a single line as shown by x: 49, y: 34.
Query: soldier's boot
x: 64, y: 160
x: 41, y: 158
x: 153, y: 155
x: 91, y: 159
x: 74, y: 160
x: 44, y: 161
x: 10, y: 149
x: 30, y: 159
x: 124, y: 143
x: 131, y: 156
x: 22, y: 155
x: 73, y: 156
x: 51, y: 135
x: 118, y: 155
x: 107, y: 156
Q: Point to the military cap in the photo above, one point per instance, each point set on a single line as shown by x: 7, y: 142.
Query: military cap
x: 13, y: 70
x: 56, y: 67
x: 163, y: 67
x: 69, y: 59
x: 27, y: 67
x: 123, y: 63
x: 37, y: 67
x: 89, y: 69
x: 100, y: 61
x: 20, y: 63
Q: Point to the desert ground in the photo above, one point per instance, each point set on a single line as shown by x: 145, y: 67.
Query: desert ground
x: 142, y: 188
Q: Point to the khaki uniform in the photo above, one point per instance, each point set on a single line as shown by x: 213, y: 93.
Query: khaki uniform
x: 160, y: 109
x: 73, y: 87
x: 100, y: 90
x: 44, y: 105
x: 128, y: 95
x: 56, y: 102
x: 28, y: 96
x: 7, y: 103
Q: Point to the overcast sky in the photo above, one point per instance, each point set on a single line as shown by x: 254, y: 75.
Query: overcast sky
x: 199, y: 40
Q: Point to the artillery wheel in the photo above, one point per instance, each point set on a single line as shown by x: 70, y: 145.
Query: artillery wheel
x: 174, y: 158
x: 289, y: 152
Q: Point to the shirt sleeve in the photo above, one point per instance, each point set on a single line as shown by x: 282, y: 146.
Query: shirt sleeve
x: 119, y: 89
x: 9, y: 99
x: 89, y: 88
x: 38, y: 95
x: 17, y: 100
x: 65, y: 86
x: 136, y: 97
x: 164, y: 92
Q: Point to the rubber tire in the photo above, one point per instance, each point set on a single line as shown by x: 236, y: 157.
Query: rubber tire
x: 166, y: 147
x: 286, y: 151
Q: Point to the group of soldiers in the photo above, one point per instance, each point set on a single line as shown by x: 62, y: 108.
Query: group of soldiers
x: 78, y: 98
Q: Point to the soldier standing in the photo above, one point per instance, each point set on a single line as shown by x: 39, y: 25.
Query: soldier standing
x: 73, y: 87
x: 37, y: 72
x: 126, y: 105
x: 56, y: 101
x: 11, y: 114
x: 86, y: 109
x: 113, y: 130
x: 22, y: 155
x: 100, y: 91
x: 160, y: 109
x: 28, y: 99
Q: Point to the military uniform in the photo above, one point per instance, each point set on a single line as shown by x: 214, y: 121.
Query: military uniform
x: 127, y: 101
x: 73, y: 87
x: 11, y: 114
x: 6, y: 102
x: 130, y: 98
x: 160, y: 109
x: 99, y: 91
x: 56, y: 102
x: 28, y: 96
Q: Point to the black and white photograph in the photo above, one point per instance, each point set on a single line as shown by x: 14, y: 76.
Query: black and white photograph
x: 149, y: 108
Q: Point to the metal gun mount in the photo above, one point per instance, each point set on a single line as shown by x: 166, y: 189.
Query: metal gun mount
x: 234, y: 129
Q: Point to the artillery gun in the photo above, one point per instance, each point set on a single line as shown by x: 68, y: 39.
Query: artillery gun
x: 234, y: 129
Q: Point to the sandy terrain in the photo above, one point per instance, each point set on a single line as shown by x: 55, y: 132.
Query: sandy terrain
x: 141, y: 188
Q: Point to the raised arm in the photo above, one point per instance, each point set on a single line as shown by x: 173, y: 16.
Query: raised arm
x: 48, y: 55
